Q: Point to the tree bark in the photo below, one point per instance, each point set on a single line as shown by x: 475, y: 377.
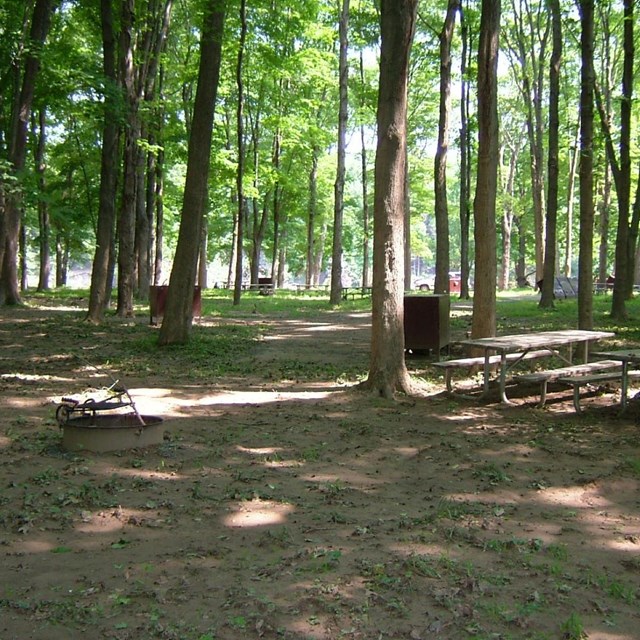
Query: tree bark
x: 585, y: 260
x: 100, y: 274
x: 549, y: 272
x: 388, y: 373
x: 178, y: 317
x: 237, y: 290
x: 441, y: 284
x: 625, y: 251
x: 484, y: 207
x: 44, y: 223
x: 9, y: 241
x: 338, y: 213
x: 465, y: 162
x: 366, y: 278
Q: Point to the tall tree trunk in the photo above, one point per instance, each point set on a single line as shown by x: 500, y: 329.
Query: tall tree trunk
x: 336, y: 253
x: 9, y: 241
x: 484, y: 207
x: 625, y: 251
x: 366, y: 278
x: 587, y: 79
x: 237, y: 291
x: 508, y: 215
x: 531, y: 35
x: 100, y: 273
x: 127, y: 214
x: 178, y: 317
x: 44, y: 224
x: 312, y: 210
x: 440, y: 169
x: 573, y: 170
x: 465, y: 164
x: 546, y: 298
x: 388, y: 372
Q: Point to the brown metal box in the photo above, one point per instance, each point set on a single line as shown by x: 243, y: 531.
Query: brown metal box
x: 426, y: 322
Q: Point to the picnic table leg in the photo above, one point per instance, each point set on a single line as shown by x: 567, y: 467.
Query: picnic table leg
x: 487, y: 375
x: 503, y: 379
x: 624, y: 386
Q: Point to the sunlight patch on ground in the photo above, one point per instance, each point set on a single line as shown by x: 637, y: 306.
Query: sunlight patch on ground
x: 574, y: 497
x: 150, y: 475
x: 259, y: 397
x: 261, y: 451
x: 27, y: 377
x: 107, y: 521
x: 34, y: 546
x: 257, y: 513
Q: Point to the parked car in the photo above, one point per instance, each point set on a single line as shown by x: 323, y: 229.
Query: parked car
x: 424, y: 282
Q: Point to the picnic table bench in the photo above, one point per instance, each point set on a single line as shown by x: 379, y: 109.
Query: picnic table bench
x: 450, y: 366
x: 577, y: 375
x: 356, y: 292
x: 579, y: 381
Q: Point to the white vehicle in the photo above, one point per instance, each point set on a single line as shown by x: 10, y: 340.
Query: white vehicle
x: 424, y: 282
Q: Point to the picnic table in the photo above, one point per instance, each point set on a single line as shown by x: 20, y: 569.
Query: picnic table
x: 626, y: 357
x: 506, y: 352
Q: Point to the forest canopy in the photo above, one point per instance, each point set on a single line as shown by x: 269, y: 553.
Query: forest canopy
x: 70, y: 70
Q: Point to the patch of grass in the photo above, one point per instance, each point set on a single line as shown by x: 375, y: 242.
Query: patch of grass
x: 632, y: 465
x: 573, y: 629
x: 492, y: 473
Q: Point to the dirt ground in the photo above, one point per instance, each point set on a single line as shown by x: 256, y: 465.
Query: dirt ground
x: 302, y: 508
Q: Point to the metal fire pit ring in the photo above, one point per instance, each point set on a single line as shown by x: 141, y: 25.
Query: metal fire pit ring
x: 111, y: 432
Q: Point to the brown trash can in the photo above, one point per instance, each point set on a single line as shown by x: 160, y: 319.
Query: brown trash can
x: 158, y: 301
x: 426, y: 322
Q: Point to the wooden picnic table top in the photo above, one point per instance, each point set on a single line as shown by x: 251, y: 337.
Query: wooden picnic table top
x: 535, y: 340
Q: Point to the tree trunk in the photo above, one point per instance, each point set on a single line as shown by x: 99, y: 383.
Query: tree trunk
x: 237, y: 290
x: 366, y: 278
x: 127, y: 214
x: 508, y: 215
x: 465, y: 163
x: 40, y: 21
x: 388, y: 373
x: 100, y: 273
x: 585, y: 260
x: 178, y: 317
x: 546, y: 298
x: 529, y: 48
x: 312, y: 210
x: 484, y: 206
x: 625, y: 252
x: 573, y: 170
x: 338, y: 214
x: 44, y: 224
x: 440, y: 164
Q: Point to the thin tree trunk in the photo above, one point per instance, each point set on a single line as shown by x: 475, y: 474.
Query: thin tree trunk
x: 237, y: 291
x: 40, y: 21
x: 465, y: 164
x: 336, y: 253
x: 585, y: 260
x: 441, y: 284
x: 44, y: 225
x: 100, y: 291
x: 546, y: 298
x: 312, y: 208
x: 366, y: 278
x: 573, y: 170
